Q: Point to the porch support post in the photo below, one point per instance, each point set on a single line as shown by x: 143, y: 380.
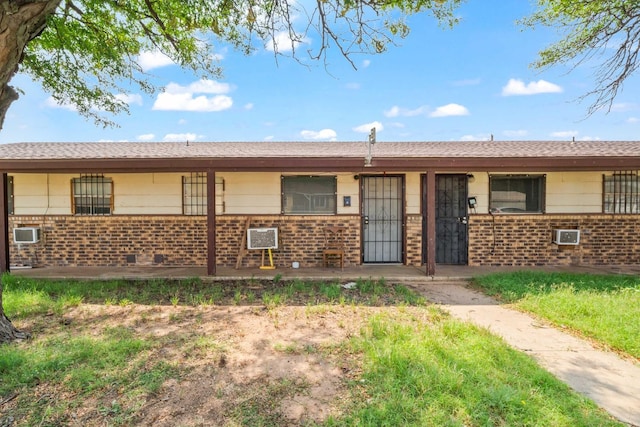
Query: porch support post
x: 4, y: 224
x: 211, y: 222
x: 431, y: 222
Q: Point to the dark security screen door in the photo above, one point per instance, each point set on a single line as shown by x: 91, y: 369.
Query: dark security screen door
x: 382, y: 219
x: 451, y: 219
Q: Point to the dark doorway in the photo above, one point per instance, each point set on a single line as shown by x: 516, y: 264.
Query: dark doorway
x: 451, y: 219
x: 382, y: 219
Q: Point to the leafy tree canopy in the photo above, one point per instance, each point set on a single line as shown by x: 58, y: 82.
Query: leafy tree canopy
x: 85, y: 52
x: 600, y: 33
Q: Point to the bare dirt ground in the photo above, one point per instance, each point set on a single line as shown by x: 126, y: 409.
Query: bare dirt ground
x: 238, y: 364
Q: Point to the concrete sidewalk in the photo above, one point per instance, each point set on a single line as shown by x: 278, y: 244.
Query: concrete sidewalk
x: 611, y: 382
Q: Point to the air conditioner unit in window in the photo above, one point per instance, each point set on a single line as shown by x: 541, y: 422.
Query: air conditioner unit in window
x: 566, y: 237
x: 26, y: 234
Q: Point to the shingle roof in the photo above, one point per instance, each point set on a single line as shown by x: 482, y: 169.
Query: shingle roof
x: 434, y: 149
x: 321, y: 156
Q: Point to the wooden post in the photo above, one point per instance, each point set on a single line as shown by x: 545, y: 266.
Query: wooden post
x: 431, y: 223
x: 211, y: 222
x: 4, y: 224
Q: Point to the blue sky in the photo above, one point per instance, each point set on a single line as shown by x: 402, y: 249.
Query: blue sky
x: 465, y: 83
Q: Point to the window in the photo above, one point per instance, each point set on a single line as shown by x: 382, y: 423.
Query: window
x: 516, y: 193
x: 92, y: 195
x: 194, y: 191
x: 621, y: 192
x: 309, y: 195
x: 194, y: 194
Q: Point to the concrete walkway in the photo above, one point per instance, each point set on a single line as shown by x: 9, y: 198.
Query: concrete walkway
x: 611, y: 382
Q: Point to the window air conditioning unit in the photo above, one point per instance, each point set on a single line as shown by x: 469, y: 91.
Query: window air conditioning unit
x: 566, y: 237
x: 262, y: 238
x: 26, y: 234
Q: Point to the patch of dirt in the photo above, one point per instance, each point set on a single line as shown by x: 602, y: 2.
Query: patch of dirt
x: 238, y: 365
x: 258, y: 351
x: 239, y: 361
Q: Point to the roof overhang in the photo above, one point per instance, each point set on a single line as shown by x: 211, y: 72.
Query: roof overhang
x: 319, y: 164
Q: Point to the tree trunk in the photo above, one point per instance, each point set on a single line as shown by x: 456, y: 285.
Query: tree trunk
x: 20, y: 22
x: 8, y: 332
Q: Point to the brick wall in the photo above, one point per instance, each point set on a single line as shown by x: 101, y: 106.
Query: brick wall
x: 526, y: 240
x: 173, y: 240
x: 113, y: 241
x: 300, y: 239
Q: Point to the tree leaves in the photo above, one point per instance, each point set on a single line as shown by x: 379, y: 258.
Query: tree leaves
x: 90, y: 49
x: 601, y: 32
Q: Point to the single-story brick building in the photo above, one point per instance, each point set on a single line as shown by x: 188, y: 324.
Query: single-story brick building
x: 523, y: 203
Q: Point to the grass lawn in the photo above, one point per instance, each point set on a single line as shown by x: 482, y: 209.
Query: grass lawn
x: 604, y: 308
x: 125, y: 353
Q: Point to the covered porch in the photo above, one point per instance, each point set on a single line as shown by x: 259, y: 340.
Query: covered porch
x: 390, y: 272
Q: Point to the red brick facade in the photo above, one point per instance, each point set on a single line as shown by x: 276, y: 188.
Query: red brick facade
x: 176, y: 240
x: 526, y: 240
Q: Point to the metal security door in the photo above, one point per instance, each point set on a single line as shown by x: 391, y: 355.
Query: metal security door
x: 451, y: 219
x: 382, y: 213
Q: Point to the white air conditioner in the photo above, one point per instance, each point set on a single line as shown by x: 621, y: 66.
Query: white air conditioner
x: 26, y: 234
x: 566, y: 237
x: 262, y: 238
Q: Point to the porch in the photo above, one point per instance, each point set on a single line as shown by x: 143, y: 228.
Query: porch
x: 390, y: 272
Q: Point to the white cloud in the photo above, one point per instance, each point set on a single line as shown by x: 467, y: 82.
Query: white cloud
x: 248, y: 106
x: 269, y: 138
x: 325, y: 134
x: 282, y: 42
x: 475, y: 138
x: 132, y: 98
x: 633, y: 120
x: 392, y: 112
x: 52, y: 103
x: 396, y: 111
x: 366, y: 63
x: 156, y: 59
x: 366, y: 128
x: 520, y: 133
x: 517, y: 87
x: 450, y: 110
x: 353, y: 86
x: 146, y: 137
x: 564, y: 134
x: 180, y: 137
x: 183, y: 98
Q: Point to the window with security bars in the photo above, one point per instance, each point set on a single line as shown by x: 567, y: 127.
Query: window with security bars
x: 621, y: 192
x: 92, y: 195
x: 309, y: 195
x: 194, y: 194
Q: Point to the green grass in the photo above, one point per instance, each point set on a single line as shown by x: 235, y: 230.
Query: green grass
x: 80, y: 365
x: 409, y: 367
x: 26, y: 297
x: 448, y: 373
x: 605, y: 308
